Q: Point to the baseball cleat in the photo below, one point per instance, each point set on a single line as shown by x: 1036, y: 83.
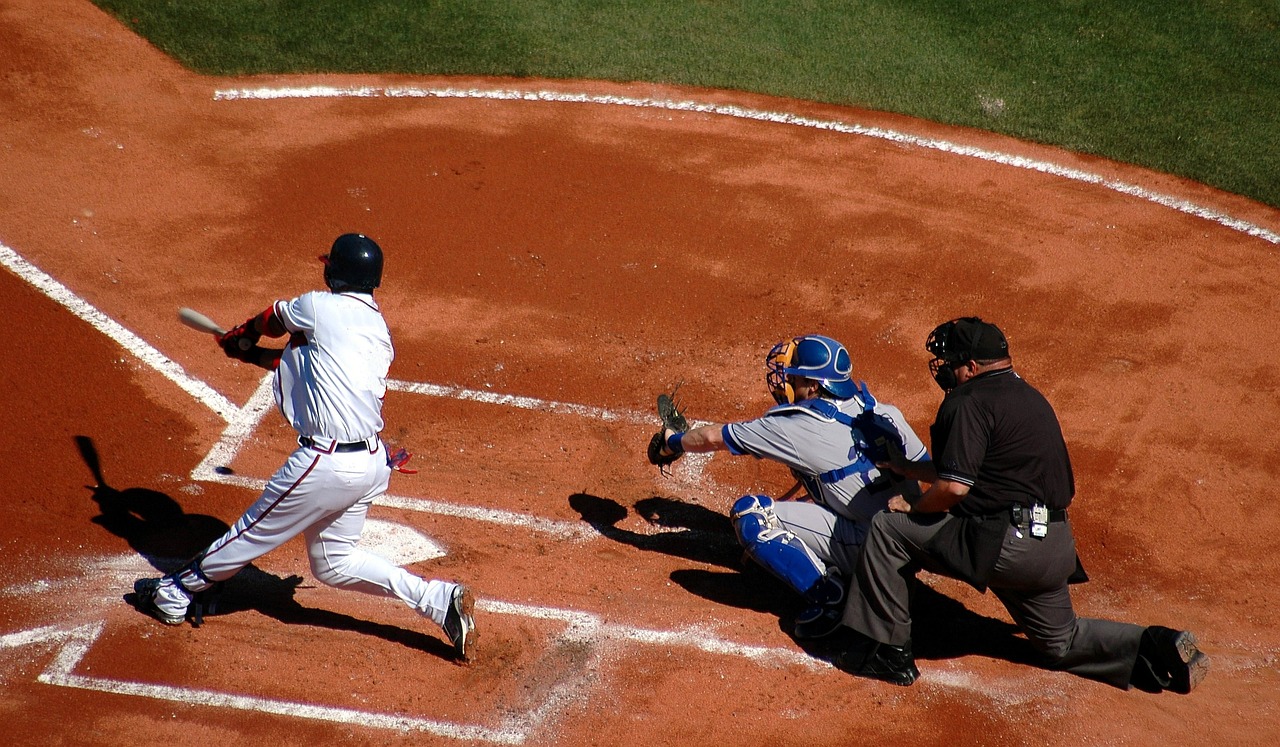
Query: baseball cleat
x: 459, y: 625
x: 878, y: 661
x: 818, y: 621
x: 1179, y: 655
x: 146, y: 590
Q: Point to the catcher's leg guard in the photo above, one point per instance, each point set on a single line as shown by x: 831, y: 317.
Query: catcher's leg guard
x: 780, y: 552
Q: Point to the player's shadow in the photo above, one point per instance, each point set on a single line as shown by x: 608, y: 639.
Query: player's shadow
x: 153, y: 524
x: 681, y: 529
x: 943, y: 628
x: 696, y: 533
x: 167, y: 537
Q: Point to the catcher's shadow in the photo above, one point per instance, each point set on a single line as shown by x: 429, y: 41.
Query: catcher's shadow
x: 158, y: 529
x: 683, y: 530
x: 696, y: 533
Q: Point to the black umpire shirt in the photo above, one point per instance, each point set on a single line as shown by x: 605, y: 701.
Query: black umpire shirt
x: 1000, y: 436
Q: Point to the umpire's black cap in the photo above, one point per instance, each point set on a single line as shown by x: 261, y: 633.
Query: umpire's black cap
x: 967, y: 338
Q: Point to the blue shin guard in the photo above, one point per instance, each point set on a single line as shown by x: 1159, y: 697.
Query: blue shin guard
x: 780, y: 552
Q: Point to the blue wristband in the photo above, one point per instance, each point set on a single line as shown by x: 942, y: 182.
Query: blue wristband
x: 674, y: 444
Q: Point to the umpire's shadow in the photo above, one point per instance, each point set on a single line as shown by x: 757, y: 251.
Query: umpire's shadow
x: 157, y: 528
x: 943, y: 628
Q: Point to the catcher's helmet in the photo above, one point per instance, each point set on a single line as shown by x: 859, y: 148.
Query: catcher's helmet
x: 812, y: 357
x: 960, y: 340
x: 354, y: 263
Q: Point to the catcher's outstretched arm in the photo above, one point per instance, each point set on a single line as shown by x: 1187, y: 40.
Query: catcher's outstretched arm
x: 703, y: 438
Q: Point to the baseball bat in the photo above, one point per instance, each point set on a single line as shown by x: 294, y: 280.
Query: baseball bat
x: 198, y: 321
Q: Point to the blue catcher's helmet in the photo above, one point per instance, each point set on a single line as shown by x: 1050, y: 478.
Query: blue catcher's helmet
x: 812, y: 357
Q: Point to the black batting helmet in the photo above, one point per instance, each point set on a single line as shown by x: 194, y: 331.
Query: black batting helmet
x: 354, y: 263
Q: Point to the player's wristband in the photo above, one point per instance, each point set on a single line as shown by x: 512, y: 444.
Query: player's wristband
x: 674, y: 444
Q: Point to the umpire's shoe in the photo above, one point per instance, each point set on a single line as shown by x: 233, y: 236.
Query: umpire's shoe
x: 459, y: 626
x: 1173, y: 654
x: 878, y: 661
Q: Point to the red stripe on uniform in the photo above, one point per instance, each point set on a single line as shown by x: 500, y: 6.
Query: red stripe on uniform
x: 283, y: 495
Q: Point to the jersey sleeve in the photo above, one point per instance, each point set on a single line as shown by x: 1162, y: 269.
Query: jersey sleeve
x: 298, y: 315
x: 965, y: 430
x: 762, y: 438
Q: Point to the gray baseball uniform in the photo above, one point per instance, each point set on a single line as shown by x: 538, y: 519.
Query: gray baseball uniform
x: 812, y: 443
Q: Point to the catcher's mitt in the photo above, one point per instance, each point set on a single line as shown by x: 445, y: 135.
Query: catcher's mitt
x: 673, y: 420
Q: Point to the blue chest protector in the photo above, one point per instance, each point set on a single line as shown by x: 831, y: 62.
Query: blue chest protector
x: 872, y: 434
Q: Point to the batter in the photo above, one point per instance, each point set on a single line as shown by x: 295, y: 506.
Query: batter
x: 330, y: 381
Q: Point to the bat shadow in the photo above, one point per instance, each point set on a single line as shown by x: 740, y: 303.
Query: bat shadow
x: 157, y: 528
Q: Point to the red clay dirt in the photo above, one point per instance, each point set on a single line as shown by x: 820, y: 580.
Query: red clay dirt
x: 593, y: 255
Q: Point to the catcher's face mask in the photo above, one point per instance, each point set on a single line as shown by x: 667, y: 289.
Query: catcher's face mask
x: 776, y: 363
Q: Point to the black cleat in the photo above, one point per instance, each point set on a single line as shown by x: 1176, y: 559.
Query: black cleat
x: 818, y: 621
x: 878, y: 661
x: 1175, y: 653
x: 459, y: 625
x: 146, y: 589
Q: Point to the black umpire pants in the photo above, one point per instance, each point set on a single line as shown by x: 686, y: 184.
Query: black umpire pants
x: 1030, y: 579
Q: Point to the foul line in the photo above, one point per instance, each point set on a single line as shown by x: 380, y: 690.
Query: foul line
x: 44, y: 283
x: 738, y: 112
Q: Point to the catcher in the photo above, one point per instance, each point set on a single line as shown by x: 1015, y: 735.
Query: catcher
x: 830, y: 432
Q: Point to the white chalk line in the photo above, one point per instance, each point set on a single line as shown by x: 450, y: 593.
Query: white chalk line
x: 241, y: 424
x: 241, y: 428
x: 738, y: 112
x: 135, y: 345
x: 580, y: 628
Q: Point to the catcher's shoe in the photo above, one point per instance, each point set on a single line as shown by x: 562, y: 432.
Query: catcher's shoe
x: 146, y: 590
x: 818, y: 621
x: 822, y: 619
x: 1176, y: 653
x: 459, y: 625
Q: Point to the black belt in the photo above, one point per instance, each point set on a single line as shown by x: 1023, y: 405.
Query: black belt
x: 1019, y: 515
x: 353, y: 446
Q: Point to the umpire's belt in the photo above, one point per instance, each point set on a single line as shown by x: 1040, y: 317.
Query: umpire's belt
x: 329, y: 446
x: 1021, y: 515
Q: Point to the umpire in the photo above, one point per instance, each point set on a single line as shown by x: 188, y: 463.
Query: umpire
x: 995, y: 516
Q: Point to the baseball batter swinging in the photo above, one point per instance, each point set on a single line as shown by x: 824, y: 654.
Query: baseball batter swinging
x: 330, y: 380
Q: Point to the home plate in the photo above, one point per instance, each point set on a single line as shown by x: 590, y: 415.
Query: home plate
x: 398, y: 543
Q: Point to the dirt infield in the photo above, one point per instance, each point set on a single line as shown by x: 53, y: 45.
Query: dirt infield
x: 559, y: 253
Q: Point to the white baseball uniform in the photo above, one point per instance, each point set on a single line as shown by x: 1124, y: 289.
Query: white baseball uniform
x: 330, y: 386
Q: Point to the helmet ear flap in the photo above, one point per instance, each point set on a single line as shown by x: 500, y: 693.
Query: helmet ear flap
x: 776, y: 363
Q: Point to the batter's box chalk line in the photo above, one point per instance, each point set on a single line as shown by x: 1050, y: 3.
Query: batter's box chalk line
x: 578, y: 629
x: 245, y: 421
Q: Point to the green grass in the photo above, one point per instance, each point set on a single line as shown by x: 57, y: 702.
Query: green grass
x: 1188, y: 87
